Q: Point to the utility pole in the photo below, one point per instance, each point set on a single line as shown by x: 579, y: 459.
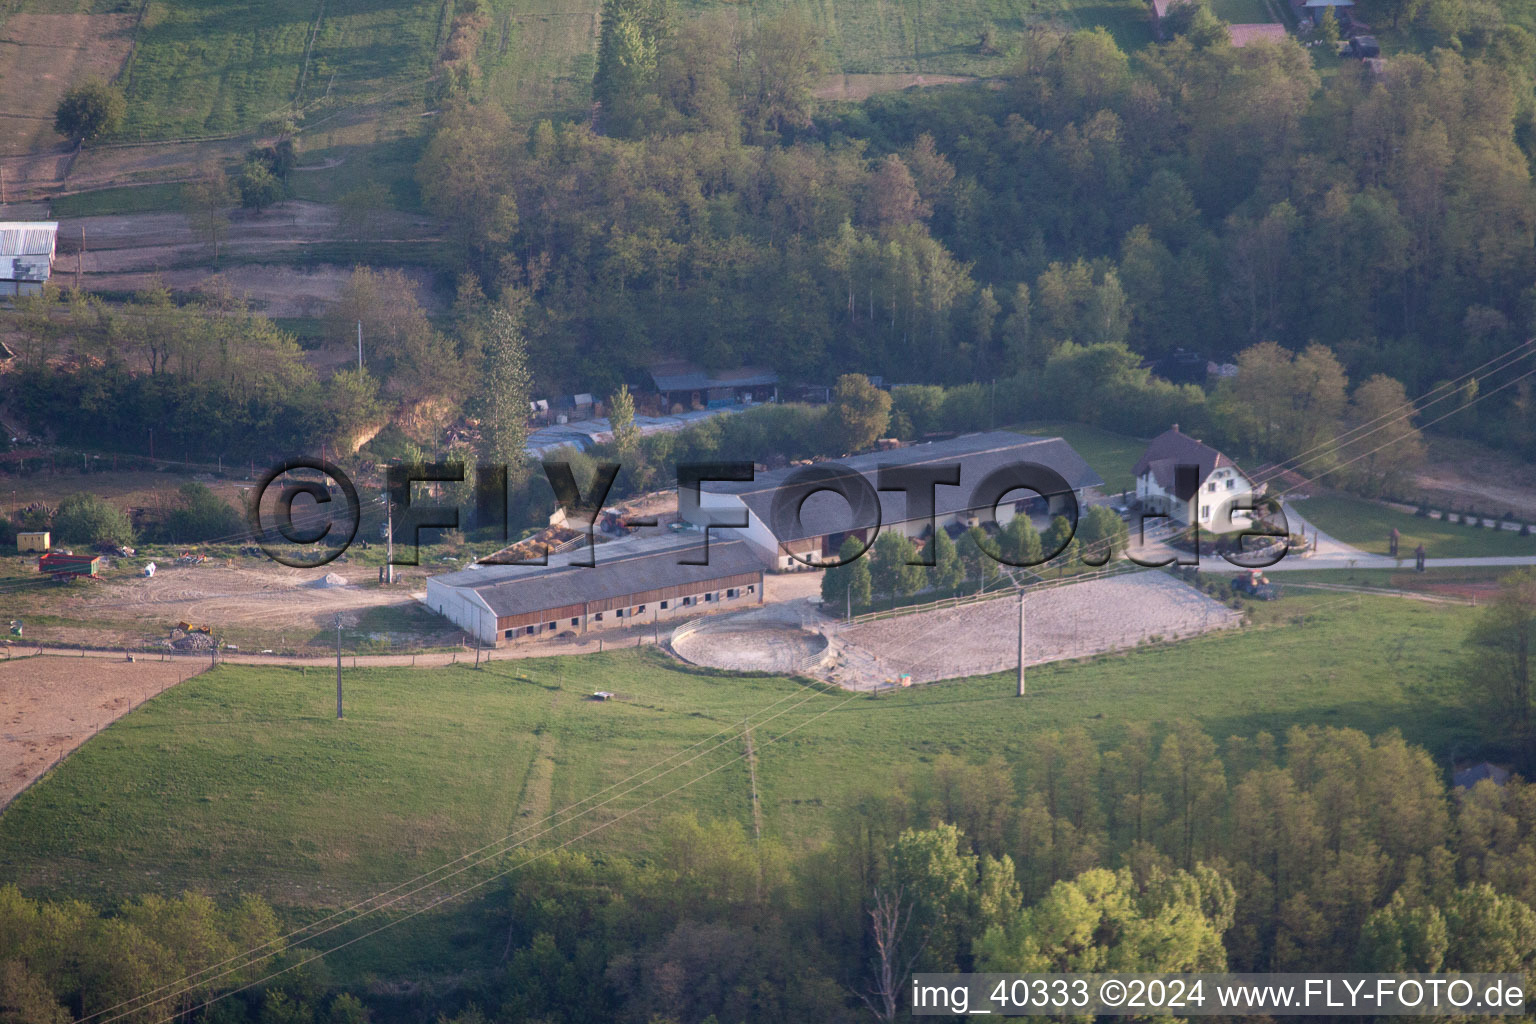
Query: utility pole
x: 359, y: 346
x: 1021, y: 643
x: 389, y: 539
x: 79, y: 256
x: 849, y: 616
x: 338, y: 667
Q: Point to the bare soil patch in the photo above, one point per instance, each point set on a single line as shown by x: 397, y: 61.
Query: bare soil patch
x: 744, y: 646
x: 128, y: 252
x: 1073, y: 621
x: 41, y: 57
x: 1462, y: 473
x: 251, y: 603
x: 49, y: 705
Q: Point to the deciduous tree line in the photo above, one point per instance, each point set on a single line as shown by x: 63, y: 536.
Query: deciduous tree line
x: 1162, y: 851
x: 1190, y: 194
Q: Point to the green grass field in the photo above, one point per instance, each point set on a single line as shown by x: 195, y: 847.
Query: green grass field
x: 939, y: 36
x: 1110, y: 454
x: 117, y: 201
x: 1366, y: 525
x: 216, y: 66
x: 242, y: 779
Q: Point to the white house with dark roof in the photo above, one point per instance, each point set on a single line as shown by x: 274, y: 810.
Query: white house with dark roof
x: 1193, y: 483
x: 26, y: 255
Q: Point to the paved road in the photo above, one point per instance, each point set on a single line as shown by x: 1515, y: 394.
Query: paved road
x: 1332, y: 553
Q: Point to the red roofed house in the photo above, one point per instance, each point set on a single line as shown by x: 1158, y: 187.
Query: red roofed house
x: 1191, y: 483
x: 1242, y: 35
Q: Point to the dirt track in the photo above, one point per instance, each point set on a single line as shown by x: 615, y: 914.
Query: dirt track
x: 130, y: 251
x: 49, y: 706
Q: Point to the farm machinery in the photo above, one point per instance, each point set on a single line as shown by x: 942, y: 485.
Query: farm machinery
x: 1256, y: 585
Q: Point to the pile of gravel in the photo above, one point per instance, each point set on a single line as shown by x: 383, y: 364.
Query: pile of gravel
x: 191, y: 641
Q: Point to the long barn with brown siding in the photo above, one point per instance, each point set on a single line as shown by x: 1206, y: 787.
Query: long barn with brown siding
x: 504, y: 604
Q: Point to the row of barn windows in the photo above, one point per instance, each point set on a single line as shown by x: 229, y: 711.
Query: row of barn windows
x: 639, y: 609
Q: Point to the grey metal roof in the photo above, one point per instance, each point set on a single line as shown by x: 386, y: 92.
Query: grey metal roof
x: 681, y: 375
x: 978, y: 455
x: 519, y: 589
x: 1172, y: 448
x: 26, y: 249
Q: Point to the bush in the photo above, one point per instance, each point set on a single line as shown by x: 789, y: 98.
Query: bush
x: 202, y: 516
x: 259, y: 188
x: 89, y: 519
x: 1422, y: 511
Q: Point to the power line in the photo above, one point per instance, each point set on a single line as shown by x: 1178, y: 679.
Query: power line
x: 1513, y: 355
x: 499, y: 874
x: 1431, y: 423
x: 498, y: 848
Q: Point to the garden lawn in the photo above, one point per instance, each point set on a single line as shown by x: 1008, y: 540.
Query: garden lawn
x: 1368, y: 524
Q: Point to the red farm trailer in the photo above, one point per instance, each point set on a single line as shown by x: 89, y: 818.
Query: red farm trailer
x: 64, y: 567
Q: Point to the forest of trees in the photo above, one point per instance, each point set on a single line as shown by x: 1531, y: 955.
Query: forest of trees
x: 1189, y: 195
x: 1163, y: 850
x: 1029, y: 247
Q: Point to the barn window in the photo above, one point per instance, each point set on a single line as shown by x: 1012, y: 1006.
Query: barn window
x: 664, y: 606
x: 618, y: 613
x: 1205, y: 511
x: 732, y: 592
x: 575, y: 622
x: 687, y: 601
x: 530, y: 630
x: 598, y: 617
x: 508, y: 633
x: 552, y: 625
x: 1231, y: 483
x: 640, y: 610
x: 751, y: 588
x: 709, y: 597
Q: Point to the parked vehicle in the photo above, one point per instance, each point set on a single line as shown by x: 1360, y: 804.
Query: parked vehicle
x: 1256, y: 585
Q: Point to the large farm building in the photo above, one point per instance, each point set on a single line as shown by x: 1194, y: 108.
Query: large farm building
x: 512, y: 603
x: 826, y: 519
x: 515, y: 603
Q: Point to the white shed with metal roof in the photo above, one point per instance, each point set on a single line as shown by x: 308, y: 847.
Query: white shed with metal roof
x: 26, y: 255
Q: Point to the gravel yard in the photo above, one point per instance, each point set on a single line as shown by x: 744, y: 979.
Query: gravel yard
x: 1073, y: 621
